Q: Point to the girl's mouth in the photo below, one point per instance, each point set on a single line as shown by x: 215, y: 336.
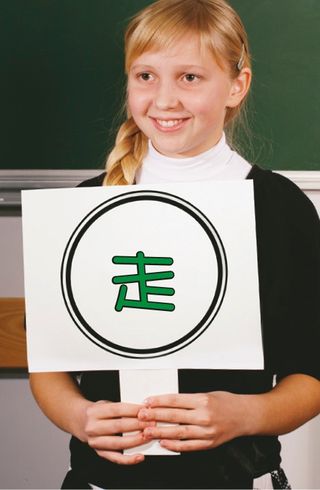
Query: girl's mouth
x: 169, y: 125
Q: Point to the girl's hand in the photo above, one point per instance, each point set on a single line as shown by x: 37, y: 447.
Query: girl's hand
x: 204, y: 420
x: 104, y: 424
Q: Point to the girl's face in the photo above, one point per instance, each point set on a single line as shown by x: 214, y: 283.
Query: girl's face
x: 178, y: 97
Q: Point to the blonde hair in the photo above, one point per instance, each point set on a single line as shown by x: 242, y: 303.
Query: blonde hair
x: 159, y: 26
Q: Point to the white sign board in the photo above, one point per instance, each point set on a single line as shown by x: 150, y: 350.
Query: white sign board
x: 142, y: 277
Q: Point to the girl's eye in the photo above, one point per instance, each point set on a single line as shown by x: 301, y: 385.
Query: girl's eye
x: 145, y: 76
x: 191, y: 77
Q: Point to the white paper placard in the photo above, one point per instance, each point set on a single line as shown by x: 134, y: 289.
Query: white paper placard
x: 82, y: 314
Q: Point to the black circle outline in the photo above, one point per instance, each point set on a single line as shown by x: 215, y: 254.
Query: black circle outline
x: 102, y: 208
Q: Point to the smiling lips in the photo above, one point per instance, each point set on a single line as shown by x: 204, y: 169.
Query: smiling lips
x: 169, y: 124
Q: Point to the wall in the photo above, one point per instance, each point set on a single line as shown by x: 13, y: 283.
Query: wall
x: 34, y: 453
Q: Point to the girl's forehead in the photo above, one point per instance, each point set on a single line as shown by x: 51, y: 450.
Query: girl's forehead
x: 185, y: 51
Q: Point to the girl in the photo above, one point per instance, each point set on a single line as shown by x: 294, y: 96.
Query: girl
x: 188, y: 69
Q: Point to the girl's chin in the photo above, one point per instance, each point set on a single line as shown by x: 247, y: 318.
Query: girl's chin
x: 172, y: 152
x: 175, y: 149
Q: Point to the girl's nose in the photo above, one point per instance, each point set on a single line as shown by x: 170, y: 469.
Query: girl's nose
x: 166, y: 97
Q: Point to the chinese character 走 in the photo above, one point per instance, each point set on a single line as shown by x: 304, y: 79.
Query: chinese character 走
x: 142, y: 277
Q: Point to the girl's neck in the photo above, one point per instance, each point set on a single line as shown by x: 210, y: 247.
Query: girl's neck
x: 217, y: 163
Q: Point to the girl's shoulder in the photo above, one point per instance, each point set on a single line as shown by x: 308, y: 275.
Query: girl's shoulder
x: 273, y: 181
x: 281, y: 194
x: 94, y: 181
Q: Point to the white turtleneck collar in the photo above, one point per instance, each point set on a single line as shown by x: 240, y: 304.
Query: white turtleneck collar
x: 218, y: 163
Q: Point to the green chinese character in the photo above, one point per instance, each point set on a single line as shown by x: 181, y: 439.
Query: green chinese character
x: 141, y: 278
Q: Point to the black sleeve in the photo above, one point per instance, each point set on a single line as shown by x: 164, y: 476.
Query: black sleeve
x: 288, y: 239
x: 94, y: 182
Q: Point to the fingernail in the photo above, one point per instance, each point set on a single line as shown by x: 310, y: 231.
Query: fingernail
x: 147, y: 432
x: 147, y: 401
x: 143, y: 414
x: 139, y: 458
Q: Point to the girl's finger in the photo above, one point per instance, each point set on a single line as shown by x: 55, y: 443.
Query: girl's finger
x: 178, y: 400
x: 176, y: 432
x: 170, y: 415
x: 114, y: 410
x: 119, y: 458
x: 186, y: 446
x: 105, y: 427
x: 116, y: 443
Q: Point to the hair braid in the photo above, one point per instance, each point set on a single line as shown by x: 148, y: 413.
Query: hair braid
x: 127, y: 154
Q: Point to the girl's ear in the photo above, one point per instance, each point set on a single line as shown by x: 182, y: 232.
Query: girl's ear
x: 239, y: 87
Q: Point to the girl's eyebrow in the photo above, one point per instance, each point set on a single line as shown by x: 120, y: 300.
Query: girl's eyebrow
x: 179, y: 67
x: 141, y: 67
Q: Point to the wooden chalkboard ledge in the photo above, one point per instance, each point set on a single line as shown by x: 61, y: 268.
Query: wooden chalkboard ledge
x: 307, y: 180
x: 12, y: 334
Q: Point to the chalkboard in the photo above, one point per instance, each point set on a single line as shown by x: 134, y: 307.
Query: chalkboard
x: 62, y: 84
